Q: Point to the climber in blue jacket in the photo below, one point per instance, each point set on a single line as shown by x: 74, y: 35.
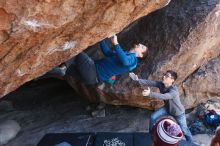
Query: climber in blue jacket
x: 114, y: 63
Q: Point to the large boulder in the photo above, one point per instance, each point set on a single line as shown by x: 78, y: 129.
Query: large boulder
x: 182, y: 36
x: 36, y: 35
x: 8, y: 130
x: 204, y: 84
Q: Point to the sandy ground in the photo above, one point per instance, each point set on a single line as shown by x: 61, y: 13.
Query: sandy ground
x: 47, y: 106
x: 202, y: 139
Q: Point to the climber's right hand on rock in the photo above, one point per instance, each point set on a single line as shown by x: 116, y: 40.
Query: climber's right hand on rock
x: 114, y: 40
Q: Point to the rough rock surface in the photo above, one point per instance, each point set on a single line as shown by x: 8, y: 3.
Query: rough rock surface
x: 8, y: 130
x: 182, y: 37
x: 36, y: 35
x: 204, y: 83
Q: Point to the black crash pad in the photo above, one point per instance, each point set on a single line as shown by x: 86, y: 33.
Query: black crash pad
x: 100, y: 139
x: 114, y: 139
x: 74, y: 139
x: 142, y: 139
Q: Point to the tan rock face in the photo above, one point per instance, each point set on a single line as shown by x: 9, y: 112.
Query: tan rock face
x: 124, y: 92
x: 6, y: 20
x: 181, y: 37
x: 36, y: 35
x: 204, y: 83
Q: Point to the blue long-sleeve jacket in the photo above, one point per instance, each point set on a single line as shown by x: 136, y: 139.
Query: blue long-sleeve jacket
x: 115, y: 62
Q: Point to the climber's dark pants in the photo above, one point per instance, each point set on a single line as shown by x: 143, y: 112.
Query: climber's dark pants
x: 84, y: 66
